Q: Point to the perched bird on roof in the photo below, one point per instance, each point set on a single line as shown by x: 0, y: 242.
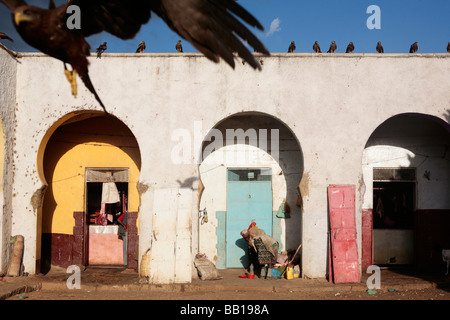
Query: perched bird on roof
x: 448, y: 47
x: 178, y: 46
x: 292, y: 47
x: 4, y: 36
x: 316, y: 47
x: 141, y: 47
x: 333, y: 47
x: 414, y: 47
x: 213, y: 27
x: 350, y: 48
x: 101, y: 48
x: 380, y: 48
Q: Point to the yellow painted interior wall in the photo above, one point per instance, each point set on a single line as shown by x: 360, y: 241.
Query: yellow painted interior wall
x: 94, y: 142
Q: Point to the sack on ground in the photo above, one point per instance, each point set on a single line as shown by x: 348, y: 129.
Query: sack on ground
x: 206, y: 269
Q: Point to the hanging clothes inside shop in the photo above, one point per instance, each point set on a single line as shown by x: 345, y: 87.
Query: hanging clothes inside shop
x: 110, y: 199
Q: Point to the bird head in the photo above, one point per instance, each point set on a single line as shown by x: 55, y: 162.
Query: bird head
x: 26, y: 14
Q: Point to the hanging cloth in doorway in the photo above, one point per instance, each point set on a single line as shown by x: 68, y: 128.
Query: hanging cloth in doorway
x: 110, y: 194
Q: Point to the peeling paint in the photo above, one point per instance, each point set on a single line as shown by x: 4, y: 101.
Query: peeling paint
x: 38, y: 196
x: 304, y: 185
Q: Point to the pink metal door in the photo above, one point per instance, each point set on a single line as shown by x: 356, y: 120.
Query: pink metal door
x: 344, y: 264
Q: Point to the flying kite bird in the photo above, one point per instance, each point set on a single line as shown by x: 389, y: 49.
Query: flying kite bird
x: 178, y: 46
x: 316, y: 47
x: 380, y: 47
x: 101, y: 48
x: 332, y: 48
x: 350, y: 48
x: 292, y: 47
x: 213, y: 27
x: 141, y: 47
x: 414, y: 47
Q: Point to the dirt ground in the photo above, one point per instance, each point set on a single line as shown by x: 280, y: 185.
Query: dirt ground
x: 74, y: 294
x: 117, y: 284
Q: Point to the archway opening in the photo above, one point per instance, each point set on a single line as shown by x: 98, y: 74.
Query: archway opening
x: 90, y: 163
x: 251, y: 169
x: 406, y: 166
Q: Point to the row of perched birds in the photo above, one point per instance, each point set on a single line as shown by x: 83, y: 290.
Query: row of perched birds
x: 333, y: 47
x: 141, y: 48
x: 351, y: 47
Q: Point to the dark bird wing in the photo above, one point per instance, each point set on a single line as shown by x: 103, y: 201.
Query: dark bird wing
x: 211, y: 26
x: 122, y: 19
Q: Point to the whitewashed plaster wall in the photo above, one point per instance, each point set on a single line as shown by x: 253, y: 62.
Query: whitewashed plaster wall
x: 8, y: 68
x: 332, y: 103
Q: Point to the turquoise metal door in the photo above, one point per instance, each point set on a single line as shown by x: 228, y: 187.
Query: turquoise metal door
x: 249, y: 198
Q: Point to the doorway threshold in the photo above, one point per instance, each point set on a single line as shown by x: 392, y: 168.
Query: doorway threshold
x: 105, y: 266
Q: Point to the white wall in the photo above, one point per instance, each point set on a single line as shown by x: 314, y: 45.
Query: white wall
x: 7, y: 114
x: 331, y: 103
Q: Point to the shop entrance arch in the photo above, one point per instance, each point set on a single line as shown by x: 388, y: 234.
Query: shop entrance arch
x: 406, y: 167
x: 82, y: 155
x: 250, y: 162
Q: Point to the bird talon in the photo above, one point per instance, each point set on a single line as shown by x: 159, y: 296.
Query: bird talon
x: 72, y: 78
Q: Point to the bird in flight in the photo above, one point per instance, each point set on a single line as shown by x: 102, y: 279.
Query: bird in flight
x: 214, y: 27
x: 292, y: 47
x: 350, y: 48
x: 141, y: 47
x: 316, y: 47
x: 414, y: 47
x: 101, y: 48
x: 178, y: 46
x: 380, y: 47
x: 332, y: 48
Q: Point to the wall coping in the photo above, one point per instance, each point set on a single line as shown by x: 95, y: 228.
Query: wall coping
x: 272, y: 55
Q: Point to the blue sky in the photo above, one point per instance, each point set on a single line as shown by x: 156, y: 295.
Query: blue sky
x: 303, y: 21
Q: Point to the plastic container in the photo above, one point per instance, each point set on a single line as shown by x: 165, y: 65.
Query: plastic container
x: 296, y: 271
x: 289, y: 273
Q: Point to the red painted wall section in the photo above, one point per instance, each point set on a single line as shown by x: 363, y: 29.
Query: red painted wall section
x: 64, y: 250
x: 431, y: 235
x: 366, y: 238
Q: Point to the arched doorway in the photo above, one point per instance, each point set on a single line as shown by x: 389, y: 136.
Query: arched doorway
x: 91, y: 165
x: 251, y: 164
x: 407, y: 175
